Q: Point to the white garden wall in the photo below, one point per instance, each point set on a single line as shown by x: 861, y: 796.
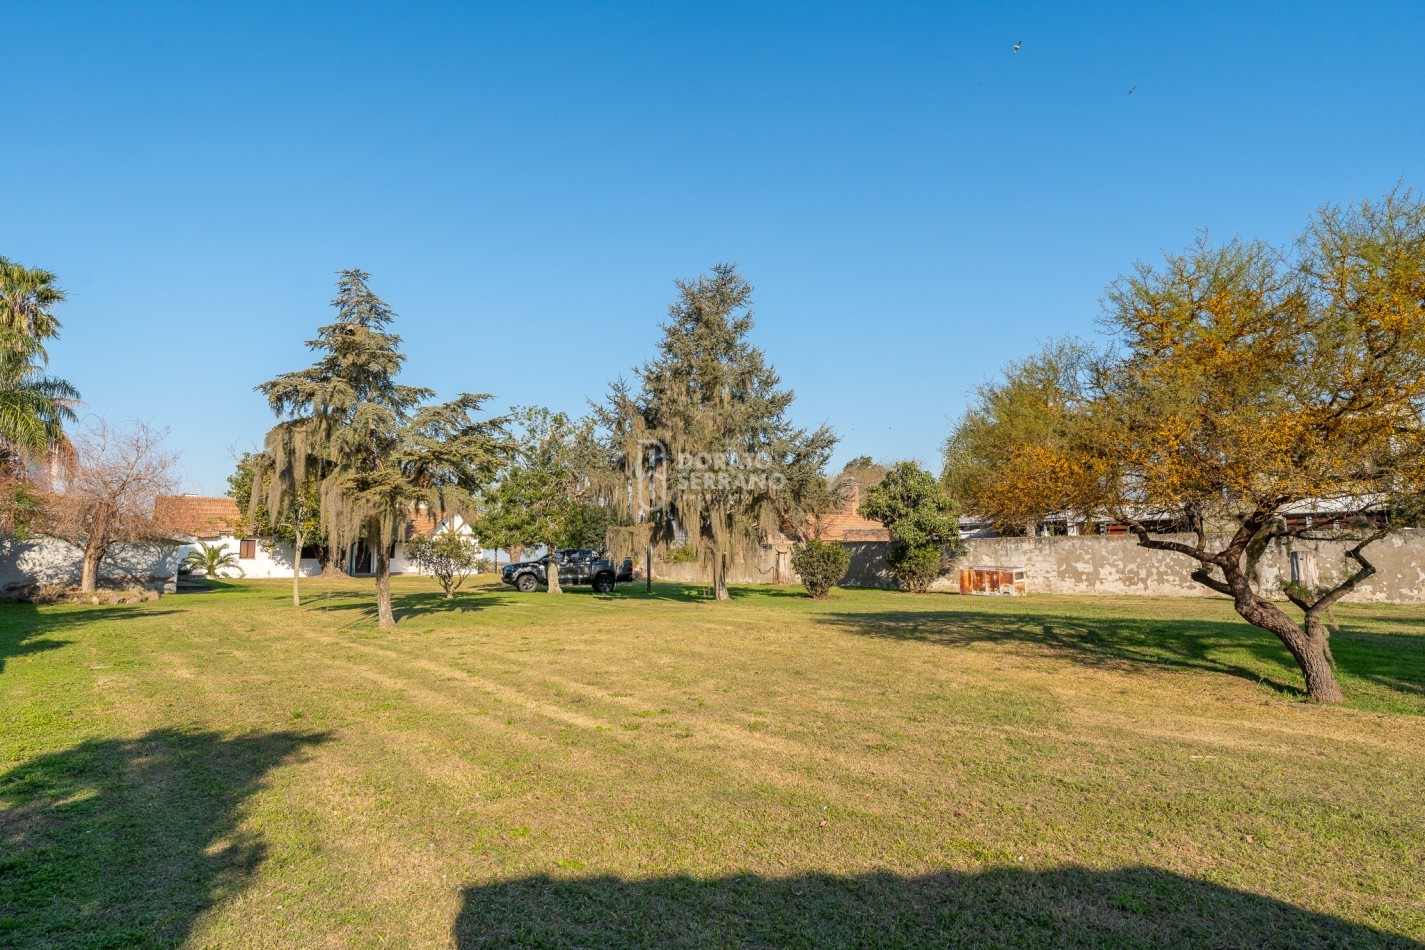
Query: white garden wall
x: 50, y: 561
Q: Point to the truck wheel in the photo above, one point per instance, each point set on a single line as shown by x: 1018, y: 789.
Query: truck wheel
x: 527, y: 583
x: 604, y: 584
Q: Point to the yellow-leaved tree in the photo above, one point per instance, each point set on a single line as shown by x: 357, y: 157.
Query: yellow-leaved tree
x: 1242, y: 382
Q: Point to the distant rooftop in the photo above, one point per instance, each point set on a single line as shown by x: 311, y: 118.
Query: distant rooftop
x: 197, y: 516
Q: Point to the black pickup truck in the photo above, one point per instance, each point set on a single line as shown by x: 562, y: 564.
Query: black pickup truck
x: 577, y: 567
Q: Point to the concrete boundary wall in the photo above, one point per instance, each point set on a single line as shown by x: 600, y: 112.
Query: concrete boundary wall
x: 1113, y: 565
x: 50, y: 561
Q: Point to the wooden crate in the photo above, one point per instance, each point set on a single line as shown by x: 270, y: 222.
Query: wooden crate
x: 992, y: 580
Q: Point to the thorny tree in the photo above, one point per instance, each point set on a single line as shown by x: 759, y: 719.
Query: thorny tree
x: 1248, y: 383
x: 107, y: 492
x: 709, y: 453
x: 377, y: 447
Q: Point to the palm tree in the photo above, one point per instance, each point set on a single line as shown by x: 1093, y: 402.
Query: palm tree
x: 33, y: 406
x: 212, y: 560
x: 28, y: 296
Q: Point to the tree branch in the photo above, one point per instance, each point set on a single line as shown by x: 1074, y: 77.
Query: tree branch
x: 1366, y: 570
x: 1203, y: 577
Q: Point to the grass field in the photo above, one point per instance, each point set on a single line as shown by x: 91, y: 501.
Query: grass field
x: 224, y: 770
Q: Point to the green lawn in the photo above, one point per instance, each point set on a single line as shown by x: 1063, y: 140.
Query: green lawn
x: 221, y: 769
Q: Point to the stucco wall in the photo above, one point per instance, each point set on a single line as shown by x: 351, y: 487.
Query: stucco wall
x: 269, y: 560
x: 48, y: 561
x: 1399, y: 561
x: 771, y: 566
x: 1089, y: 564
x: 1115, y: 565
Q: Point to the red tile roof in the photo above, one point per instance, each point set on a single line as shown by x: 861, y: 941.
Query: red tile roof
x: 420, y: 521
x: 846, y: 524
x: 849, y: 527
x: 196, y: 516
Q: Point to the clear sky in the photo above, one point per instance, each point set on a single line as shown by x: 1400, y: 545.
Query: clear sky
x: 914, y: 203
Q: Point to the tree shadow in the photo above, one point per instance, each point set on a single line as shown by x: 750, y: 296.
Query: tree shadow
x: 1395, y: 661
x: 688, y: 592
x: 126, y: 842
x: 199, y: 584
x: 405, y: 606
x: 27, y: 629
x: 1127, y: 907
x: 1125, y: 641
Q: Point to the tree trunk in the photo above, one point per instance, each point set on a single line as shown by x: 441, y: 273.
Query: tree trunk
x: 551, y: 571
x: 384, y: 617
x: 1307, y: 648
x: 719, y: 577
x: 297, y: 571
x: 89, y: 572
x: 332, y: 566
x: 1315, y: 663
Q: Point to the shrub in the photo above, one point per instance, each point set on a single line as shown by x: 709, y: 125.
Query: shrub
x: 450, y: 557
x: 915, y: 566
x: 685, y: 553
x: 922, y: 519
x: 821, y: 565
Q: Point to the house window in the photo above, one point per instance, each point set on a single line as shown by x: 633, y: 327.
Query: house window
x: 247, y: 549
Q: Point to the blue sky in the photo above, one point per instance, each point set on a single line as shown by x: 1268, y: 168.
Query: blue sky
x: 914, y: 203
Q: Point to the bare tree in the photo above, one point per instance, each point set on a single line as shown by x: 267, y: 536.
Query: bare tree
x: 106, y: 494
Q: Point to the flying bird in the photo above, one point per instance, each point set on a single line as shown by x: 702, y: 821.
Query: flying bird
x: 1017, y: 45
x: 1130, y: 92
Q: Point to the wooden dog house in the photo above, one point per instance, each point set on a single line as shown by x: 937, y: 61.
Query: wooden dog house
x: 982, y: 579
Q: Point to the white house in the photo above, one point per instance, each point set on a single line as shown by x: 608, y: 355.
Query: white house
x: 419, y: 520
x: 214, y: 521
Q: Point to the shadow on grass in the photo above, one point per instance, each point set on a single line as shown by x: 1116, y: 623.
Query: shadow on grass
x: 691, y: 592
x: 1395, y: 661
x: 198, y: 584
x: 125, y: 842
x: 27, y: 629
x: 484, y: 597
x: 362, y: 603
x: 1124, y: 642
x: 1129, y: 907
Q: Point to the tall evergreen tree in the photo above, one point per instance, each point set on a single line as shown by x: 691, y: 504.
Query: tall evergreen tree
x: 707, y: 432
x: 377, y: 447
x: 33, y: 405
